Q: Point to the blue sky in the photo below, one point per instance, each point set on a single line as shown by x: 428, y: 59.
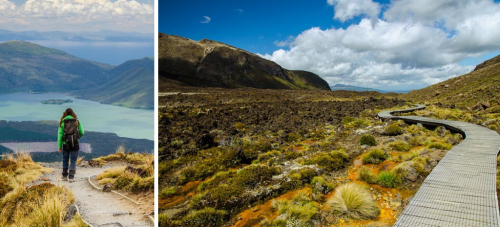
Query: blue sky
x: 250, y: 25
x: 394, y: 45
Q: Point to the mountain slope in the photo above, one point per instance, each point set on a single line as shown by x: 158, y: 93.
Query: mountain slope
x: 132, y: 86
x: 212, y: 64
x: 480, y: 85
x: 29, y: 67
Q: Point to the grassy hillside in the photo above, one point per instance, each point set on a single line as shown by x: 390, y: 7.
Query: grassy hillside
x: 212, y: 64
x: 132, y: 86
x: 480, y: 85
x: 29, y: 67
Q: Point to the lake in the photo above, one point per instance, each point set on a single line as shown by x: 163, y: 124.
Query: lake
x: 94, y: 116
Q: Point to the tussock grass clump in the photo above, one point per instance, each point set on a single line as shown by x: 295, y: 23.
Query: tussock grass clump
x: 367, y: 176
x: 375, y: 156
x: 399, y: 145
x: 137, y: 177
x: 354, y: 201
x: 205, y: 217
x: 393, y: 130
x: 439, y: 145
x: 368, y: 140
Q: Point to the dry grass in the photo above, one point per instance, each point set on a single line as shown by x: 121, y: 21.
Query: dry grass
x: 354, y: 201
x: 39, y: 205
x: 137, y: 180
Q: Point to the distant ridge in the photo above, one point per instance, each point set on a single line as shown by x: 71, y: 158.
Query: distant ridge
x: 353, y: 88
x: 210, y: 63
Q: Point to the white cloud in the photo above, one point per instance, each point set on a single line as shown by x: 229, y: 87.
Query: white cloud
x: 347, y: 9
x: 240, y: 10
x: 77, y: 15
x: 206, y: 21
x: 414, y: 45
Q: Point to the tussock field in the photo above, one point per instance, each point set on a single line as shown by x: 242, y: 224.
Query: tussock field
x: 290, y: 158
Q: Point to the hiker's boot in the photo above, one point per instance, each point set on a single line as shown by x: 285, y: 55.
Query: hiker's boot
x: 71, y: 178
x: 64, y: 178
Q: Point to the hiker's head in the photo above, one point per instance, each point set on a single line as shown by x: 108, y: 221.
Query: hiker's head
x: 67, y: 112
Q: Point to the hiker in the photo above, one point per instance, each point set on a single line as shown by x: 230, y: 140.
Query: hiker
x: 70, y: 131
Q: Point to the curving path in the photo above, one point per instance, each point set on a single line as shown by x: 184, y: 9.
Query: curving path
x: 461, y: 190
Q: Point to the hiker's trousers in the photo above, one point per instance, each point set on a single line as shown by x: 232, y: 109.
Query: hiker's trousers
x: 69, y: 160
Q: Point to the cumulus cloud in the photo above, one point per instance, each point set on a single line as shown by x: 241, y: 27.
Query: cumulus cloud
x: 412, y: 45
x: 206, y: 21
x: 347, y: 9
x: 77, y: 15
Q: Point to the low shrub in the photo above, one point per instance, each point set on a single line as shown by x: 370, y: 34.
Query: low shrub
x: 354, y: 201
x: 393, y: 130
x: 389, y: 179
x: 399, y: 145
x: 301, y: 207
x: 368, y: 140
x: 416, y: 141
x: 375, y: 156
x: 439, y: 145
x: 205, y: 217
x: 334, y: 160
x: 320, y: 185
x: 240, y: 126
x: 367, y: 176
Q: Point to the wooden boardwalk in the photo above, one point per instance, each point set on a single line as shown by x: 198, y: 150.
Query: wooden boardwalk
x: 461, y: 190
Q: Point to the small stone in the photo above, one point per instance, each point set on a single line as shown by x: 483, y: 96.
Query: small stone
x: 45, y: 179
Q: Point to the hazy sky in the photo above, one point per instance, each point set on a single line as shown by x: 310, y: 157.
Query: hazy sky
x: 77, y: 15
x: 397, y: 45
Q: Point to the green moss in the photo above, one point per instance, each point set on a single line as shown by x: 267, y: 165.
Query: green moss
x: 368, y: 140
x: 393, y: 130
x: 375, y: 156
x: 400, y: 145
x: 168, y: 192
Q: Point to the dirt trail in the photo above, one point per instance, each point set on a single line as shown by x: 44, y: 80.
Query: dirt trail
x: 98, y: 208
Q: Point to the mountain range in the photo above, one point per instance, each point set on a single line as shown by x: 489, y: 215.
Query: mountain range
x: 353, y: 88
x: 209, y: 63
x: 28, y: 67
